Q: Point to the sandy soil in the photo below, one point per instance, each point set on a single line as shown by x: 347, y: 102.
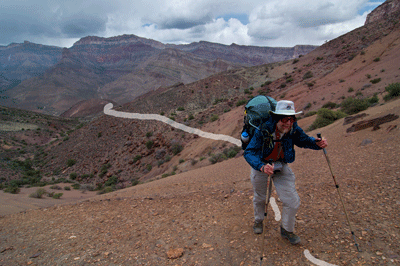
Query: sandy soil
x: 205, y: 216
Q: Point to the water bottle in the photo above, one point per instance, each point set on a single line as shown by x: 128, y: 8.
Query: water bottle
x: 245, y: 137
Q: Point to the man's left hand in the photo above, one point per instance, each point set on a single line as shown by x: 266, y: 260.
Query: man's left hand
x: 322, y: 143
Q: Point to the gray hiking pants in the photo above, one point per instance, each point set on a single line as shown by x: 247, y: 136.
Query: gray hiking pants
x: 284, y: 182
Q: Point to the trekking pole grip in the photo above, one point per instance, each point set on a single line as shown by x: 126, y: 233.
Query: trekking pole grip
x: 320, y: 136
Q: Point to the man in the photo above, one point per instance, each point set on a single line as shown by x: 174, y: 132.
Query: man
x: 269, y: 152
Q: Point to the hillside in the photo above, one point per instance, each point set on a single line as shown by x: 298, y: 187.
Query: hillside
x: 205, y: 215
x: 22, y: 61
x: 121, y: 68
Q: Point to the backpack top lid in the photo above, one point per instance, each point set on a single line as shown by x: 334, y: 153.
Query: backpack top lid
x: 260, y: 106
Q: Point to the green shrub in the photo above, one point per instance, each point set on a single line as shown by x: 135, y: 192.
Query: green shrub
x: 73, y: 176
x: 137, y: 158
x: 393, y: 91
x: 38, y: 194
x: 105, y: 190
x: 113, y: 180
x: 217, y: 158
x: 231, y: 152
x: 241, y: 102
x: 67, y: 188
x: 149, y: 144
x: 377, y: 59
x: 214, y: 117
x: 76, y: 186
x: 57, y: 195
x: 352, y: 106
x: 308, y: 75
x: 329, y: 105
x: 374, y: 81
x: 13, y: 189
x: 176, y: 148
x: 326, y: 117
x: 180, y: 108
x: 350, y: 90
x: 374, y: 99
x: 71, y: 162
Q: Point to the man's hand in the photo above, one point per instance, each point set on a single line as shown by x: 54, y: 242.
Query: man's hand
x: 322, y: 143
x: 267, y: 168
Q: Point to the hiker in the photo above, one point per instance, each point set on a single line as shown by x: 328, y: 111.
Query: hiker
x: 270, y: 153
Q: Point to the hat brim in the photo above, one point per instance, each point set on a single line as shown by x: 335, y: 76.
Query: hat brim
x: 289, y: 112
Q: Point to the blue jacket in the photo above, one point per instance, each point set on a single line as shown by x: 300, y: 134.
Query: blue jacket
x: 255, y: 152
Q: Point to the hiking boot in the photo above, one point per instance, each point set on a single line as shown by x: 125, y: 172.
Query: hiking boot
x: 258, y: 227
x: 293, y: 239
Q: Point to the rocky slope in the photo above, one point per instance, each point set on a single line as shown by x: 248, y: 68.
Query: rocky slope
x: 384, y: 11
x: 124, y: 67
x: 22, y: 61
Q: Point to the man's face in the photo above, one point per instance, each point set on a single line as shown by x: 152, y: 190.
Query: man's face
x: 285, y: 124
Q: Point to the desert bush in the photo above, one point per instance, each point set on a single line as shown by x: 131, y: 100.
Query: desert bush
x: 113, y: 180
x: 76, y: 186
x: 71, y: 162
x: 216, y: 158
x: 13, y: 189
x: 105, y: 190
x: 326, y: 117
x: 73, y: 176
x: 56, y: 187
x: 137, y: 158
x: 87, y: 187
x: 308, y: 75
x: 241, y: 102
x: 352, y: 106
x: 57, y: 195
x: 393, y: 91
x: 231, y: 152
x: 149, y: 144
x: 134, y: 182
x: 176, y: 148
x: 67, y: 188
x: 329, y: 105
x: 38, y: 194
x: 214, y: 117
x: 374, y: 81
x: 104, y: 169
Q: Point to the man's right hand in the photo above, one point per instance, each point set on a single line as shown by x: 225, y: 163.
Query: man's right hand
x: 268, y: 169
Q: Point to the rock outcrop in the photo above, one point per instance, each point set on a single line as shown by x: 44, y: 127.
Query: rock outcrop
x: 385, y: 10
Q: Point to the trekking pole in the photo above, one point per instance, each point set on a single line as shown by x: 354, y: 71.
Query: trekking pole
x: 340, y: 196
x: 269, y: 187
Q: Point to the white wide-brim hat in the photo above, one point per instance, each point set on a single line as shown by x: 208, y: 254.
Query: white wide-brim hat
x: 285, y: 108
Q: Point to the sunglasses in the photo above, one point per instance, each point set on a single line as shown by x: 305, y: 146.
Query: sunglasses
x: 288, y: 118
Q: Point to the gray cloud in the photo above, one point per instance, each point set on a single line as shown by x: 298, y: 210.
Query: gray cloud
x: 260, y: 22
x: 82, y: 25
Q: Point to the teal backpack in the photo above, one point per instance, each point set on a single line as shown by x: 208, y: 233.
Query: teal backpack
x: 257, y: 111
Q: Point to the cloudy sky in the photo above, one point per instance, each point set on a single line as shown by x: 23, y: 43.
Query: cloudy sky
x: 274, y: 23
